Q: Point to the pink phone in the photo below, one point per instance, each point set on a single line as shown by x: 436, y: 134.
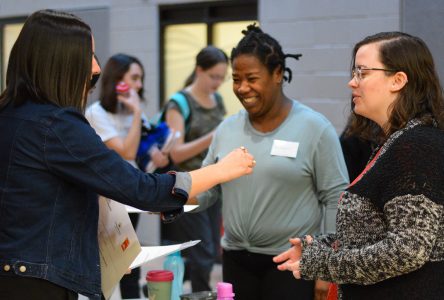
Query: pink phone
x: 122, y: 88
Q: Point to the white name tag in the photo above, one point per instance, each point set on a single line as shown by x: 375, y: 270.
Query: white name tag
x: 284, y: 148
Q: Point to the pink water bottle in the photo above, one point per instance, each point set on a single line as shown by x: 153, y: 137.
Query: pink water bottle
x: 225, y: 291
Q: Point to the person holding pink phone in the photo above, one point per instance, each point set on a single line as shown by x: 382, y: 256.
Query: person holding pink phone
x: 117, y: 118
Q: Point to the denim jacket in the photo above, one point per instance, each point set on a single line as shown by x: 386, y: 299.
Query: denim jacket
x: 52, y: 166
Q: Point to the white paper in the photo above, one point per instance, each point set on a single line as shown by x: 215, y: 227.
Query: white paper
x: 118, y: 243
x: 284, y: 148
x: 130, y: 209
x: 150, y: 253
x: 172, y: 138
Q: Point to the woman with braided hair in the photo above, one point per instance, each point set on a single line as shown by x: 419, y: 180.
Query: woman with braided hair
x: 298, y: 178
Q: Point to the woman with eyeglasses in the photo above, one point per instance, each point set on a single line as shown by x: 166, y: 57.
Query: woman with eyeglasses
x: 53, y: 165
x: 195, y: 115
x: 298, y: 179
x: 389, y: 242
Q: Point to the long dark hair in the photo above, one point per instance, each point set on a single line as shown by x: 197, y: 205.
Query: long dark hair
x: 207, y: 58
x: 116, y: 67
x: 420, y: 98
x: 264, y: 47
x: 50, y: 61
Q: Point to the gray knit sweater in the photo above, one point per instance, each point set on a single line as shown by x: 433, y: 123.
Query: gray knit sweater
x: 390, y: 224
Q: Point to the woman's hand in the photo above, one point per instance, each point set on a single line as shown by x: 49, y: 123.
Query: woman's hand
x: 159, y: 159
x: 236, y: 164
x: 132, y: 102
x: 290, y: 260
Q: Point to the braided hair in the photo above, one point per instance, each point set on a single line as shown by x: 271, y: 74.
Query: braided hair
x: 265, y: 48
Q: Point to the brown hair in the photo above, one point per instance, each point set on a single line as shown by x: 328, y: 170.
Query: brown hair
x: 420, y: 98
x: 50, y: 62
x: 207, y: 58
x: 116, y: 67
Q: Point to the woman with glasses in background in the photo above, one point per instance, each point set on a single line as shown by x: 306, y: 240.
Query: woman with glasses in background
x: 389, y: 242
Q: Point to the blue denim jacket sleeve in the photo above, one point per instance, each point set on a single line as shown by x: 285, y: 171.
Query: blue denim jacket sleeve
x: 76, y: 153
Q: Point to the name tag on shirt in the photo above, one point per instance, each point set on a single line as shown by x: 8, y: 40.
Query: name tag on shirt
x: 284, y: 148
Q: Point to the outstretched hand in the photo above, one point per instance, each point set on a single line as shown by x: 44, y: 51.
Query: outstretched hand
x: 289, y: 260
x: 237, y: 163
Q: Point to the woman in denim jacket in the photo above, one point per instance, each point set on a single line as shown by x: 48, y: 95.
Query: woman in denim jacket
x: 53, y: 165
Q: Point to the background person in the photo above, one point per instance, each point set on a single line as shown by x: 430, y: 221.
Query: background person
x: 53, y: 165
x: 297, y: 181
x: 389, y: 242
x: 117, y: 119
x: 356, y: 150
x: 206, y: 111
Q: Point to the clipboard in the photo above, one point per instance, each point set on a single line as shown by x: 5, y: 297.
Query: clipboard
x: 118, y: 243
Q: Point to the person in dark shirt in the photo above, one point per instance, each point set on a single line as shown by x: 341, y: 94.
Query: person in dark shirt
x: 356, y: 152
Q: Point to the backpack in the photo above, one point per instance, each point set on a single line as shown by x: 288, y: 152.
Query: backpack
x: 181, y: 99
x: 156, y: 133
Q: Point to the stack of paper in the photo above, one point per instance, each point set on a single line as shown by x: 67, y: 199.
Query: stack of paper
x: 150, y: 253
x: 119, y: 247
x: 186, y: 208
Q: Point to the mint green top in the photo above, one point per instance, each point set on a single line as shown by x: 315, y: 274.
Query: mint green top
x: 284, y: 197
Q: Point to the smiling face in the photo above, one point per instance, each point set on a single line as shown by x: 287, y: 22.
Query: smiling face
x: 133, y: 78
x: 374, y: 93
x: 258, y: 90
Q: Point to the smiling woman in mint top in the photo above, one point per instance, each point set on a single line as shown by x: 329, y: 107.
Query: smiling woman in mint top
x: 389, y: 242
x: 299, y: 176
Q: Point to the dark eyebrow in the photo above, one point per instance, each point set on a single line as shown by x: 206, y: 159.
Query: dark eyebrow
x: 248, y: 74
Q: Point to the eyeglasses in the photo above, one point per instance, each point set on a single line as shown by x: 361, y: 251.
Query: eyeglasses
x: 357, y: 72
